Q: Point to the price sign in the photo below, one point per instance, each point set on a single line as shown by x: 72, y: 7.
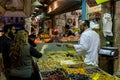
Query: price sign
x: 101, y: 1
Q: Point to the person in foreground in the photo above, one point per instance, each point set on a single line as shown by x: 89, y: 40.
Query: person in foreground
x: 5, y: 41
x: 88, y: 44
x: 21, y: 57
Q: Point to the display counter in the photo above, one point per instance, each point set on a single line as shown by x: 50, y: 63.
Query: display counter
x: 73, y: 42
x: 47, y: 48
x: 59, y: 63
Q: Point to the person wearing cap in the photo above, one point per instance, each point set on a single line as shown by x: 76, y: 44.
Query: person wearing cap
x: 88, y: 44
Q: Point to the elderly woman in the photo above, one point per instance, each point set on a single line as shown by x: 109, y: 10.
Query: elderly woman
x: 20, y: 56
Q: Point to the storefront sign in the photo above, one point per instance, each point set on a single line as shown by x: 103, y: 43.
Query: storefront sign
x: 94, y: 9
x: 101, y: 1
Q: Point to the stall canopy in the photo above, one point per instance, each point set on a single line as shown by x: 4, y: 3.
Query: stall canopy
x: 14, y: 14
x: 61, y: 6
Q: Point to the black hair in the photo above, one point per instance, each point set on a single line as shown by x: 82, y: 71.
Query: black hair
x: 7, y: 27
x: 55, y: 32
x: 67, y: 26
x: 86, y: 23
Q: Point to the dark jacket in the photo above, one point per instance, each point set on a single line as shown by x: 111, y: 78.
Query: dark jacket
x: 5, y: 44
x: 25, y: 69
x: 69, y: 32
x: 31, y: 40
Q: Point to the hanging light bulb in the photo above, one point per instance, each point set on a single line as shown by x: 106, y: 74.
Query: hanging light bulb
x: 37, y: 3
x: 36, y: 8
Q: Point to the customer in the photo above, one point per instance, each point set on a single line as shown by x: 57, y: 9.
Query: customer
x: 21, y: 57
x: 55, y: 38
x: 5, y: 41
x: 68, y: 31
x: 88, y: 44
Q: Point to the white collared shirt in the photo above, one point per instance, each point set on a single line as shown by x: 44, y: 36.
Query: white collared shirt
x: 89, y: 42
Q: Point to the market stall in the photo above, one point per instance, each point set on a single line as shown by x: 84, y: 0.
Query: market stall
x: 61, y: 63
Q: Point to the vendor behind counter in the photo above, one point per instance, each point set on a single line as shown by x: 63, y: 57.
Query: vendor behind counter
x: 68, y: 31
x: 55, y: 38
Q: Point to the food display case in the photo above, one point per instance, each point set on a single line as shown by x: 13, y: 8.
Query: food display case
x: 61, y: 63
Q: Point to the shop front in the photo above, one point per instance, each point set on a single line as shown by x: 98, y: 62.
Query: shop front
x: 60, y: 20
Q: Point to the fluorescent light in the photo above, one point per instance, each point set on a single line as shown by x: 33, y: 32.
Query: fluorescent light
x: 37, y: 3
x: 36, y: 8
x: 34, y: 12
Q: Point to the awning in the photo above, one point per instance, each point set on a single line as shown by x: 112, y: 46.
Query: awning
x: 2, y: 10
x: 14, y: 14
x: 64, y: 6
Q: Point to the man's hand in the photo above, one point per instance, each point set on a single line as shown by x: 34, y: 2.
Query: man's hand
x: 70, y: 45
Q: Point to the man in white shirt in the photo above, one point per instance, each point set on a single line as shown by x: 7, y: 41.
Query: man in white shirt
x: 88, y: 44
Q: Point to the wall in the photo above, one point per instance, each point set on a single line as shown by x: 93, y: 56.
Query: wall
x: 106, y: 8
x: 2, y: 11
x: 27, y: 7
x: 117, y: 30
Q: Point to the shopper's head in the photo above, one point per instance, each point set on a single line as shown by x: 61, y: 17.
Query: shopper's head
x: 10, y: 30
x: 21, y: 37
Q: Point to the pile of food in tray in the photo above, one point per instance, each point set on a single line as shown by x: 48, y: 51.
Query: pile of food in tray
x: 62, y: 65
